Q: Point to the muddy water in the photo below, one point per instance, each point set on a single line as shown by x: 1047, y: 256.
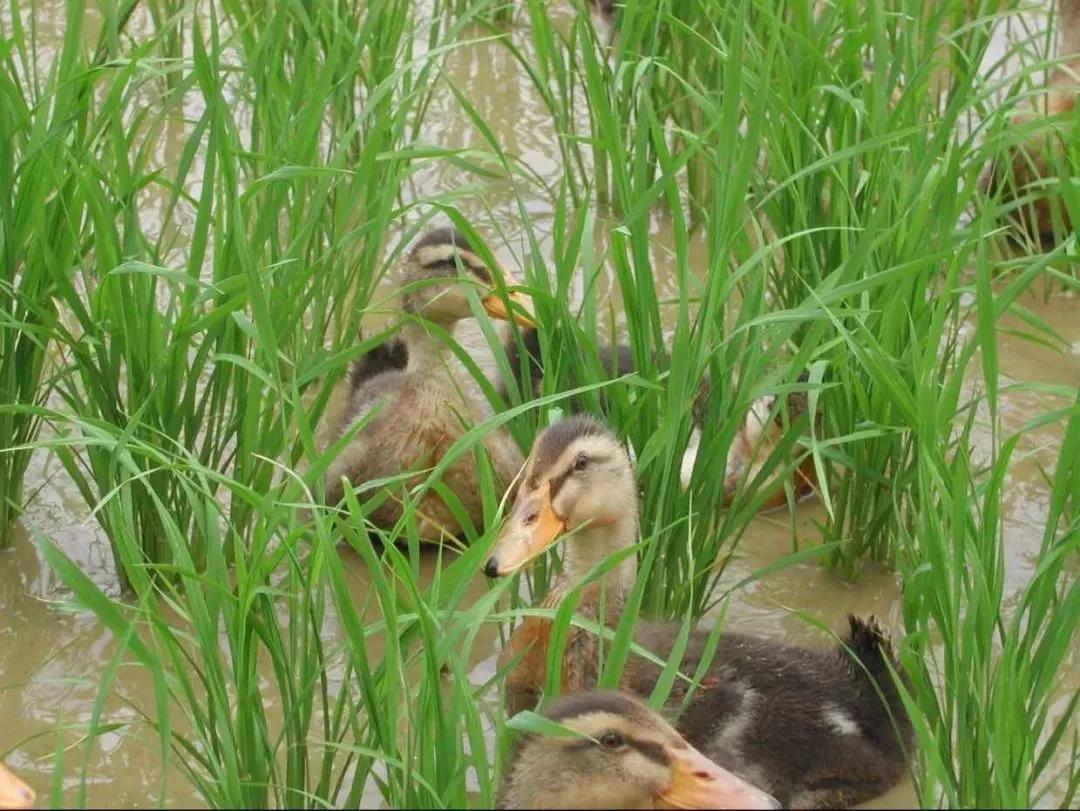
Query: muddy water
x: 51, y: 662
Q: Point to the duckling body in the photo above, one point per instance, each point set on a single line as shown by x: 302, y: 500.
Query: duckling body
x: 14, y: 793
x: 759, y: 434
x: 414, y: 407
x: 622, y: 755
x: 807, y: 726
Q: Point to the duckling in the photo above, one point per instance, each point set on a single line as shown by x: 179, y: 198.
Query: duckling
x: 14, y: 793
x: 627, y: 756
x: 808, y: 726
x: 751, y: 447
x: 423, y: 406
x: 1031, y: 162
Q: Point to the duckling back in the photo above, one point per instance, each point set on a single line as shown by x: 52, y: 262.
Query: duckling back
x: 417, y: 422
x: 808, y: 726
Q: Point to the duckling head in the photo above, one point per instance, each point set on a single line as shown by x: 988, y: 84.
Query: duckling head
x: 624, y: 755
x: 578, y: 482
x: 436, y: 276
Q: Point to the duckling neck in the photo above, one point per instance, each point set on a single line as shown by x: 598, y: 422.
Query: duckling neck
x: 592, y: 545
x: 426, y: 352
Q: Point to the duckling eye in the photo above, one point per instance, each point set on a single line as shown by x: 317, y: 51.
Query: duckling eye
x: 531, y: 518
x: 581, y: 462
x: 612, y: 740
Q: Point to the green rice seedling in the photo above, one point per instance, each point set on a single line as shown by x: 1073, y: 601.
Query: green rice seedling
x: 204, y: 349
x: 993, y: 710
x: 370, y: 689
x: 871, y: 186
x: 43, y: 122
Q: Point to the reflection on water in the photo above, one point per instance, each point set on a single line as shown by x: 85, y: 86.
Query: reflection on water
x: 51, y: 661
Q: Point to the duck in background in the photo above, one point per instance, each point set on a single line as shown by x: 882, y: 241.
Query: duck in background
x: 813, y: 728
x: 623, y: 755
x: 424, y: 407
x: 761, y: 430
x: 14, y: 793
x: 1020, y: 171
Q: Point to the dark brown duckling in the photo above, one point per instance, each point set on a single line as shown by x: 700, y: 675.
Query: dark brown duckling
x: 814, y: 728
x: 624, y: 755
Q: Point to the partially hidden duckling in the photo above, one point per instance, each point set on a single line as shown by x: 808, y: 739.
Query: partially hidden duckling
x: 424, y: 409
x: 624, y: 755
x: 760, y: 431
x: 813, y: 728
x: 1019, y: 172
x: 14, y: 793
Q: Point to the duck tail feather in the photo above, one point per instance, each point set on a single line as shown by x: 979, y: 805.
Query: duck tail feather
x: 875, y: 657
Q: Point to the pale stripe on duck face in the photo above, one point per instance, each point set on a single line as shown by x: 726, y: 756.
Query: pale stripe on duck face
x: 444, y: 255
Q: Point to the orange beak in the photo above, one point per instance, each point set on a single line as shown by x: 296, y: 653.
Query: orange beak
x: 697, y: 782
x: 533, y: 527
x: 14, y: 793
x: 496, y: 308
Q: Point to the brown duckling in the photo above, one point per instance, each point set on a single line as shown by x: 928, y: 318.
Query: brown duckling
x: 423, y: 405
x: 14, y: 793
x: 624, y: 755
x: 1016, y: 174
x: 808, y: 726
x: 753, y: 444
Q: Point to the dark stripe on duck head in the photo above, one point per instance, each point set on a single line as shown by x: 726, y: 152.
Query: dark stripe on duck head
x: 648, y: 749
x: 447, y: 235
x: 559, y: 479
x: 577, y: 704
x: 452, y: 237
x: 556, y: 439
